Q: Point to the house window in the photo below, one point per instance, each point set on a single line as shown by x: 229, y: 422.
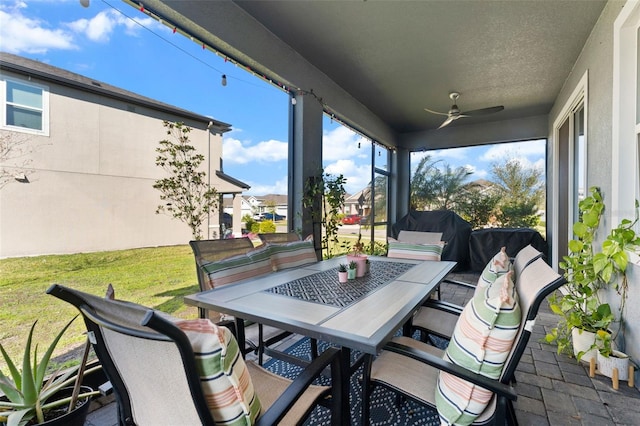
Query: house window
x: 25, y: 107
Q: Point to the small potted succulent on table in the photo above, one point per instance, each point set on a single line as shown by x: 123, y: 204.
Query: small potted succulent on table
x: 351, y: 270
x: 342, y: 273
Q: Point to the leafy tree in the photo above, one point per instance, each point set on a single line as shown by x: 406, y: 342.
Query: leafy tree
x: 478, y: 207
x: 271, y: 207
x: 518, y: 214
x: 434, y: 188
x: 522, y: 191
x: 423, y: 184
x: 185, y: 192
x: 380, y: 194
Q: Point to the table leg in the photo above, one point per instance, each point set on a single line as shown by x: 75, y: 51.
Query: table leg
x: 406, y: 327
x: 240, y: 336
x: 345, y: 373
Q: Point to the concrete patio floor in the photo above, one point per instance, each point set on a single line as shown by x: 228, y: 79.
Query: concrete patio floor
x: 552, y: 389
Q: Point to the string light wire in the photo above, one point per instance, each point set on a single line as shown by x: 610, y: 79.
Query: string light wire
x: 228, y: 58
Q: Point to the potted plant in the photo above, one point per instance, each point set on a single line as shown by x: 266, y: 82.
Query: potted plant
x: 582, y: 314
x: 351, y: 270
x: 31, y: 398
x: 342, y: 273
x: 609, y: 359
x: 357, y: 255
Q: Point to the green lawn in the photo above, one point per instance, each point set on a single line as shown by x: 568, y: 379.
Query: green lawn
x: 155, y: 277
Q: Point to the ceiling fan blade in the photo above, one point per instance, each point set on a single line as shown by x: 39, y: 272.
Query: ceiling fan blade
x: 483, y: 111
x: 436, y: 112
x: 448, y: 121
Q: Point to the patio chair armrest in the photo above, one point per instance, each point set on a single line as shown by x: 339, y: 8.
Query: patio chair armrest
x: 492, y: 385
x: 443, y: 306
x: 284, y: 403
x: 460, y: 283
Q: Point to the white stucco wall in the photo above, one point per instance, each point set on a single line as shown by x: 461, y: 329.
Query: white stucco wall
x: 91, y: 186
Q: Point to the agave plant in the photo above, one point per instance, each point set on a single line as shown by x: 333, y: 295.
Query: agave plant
x: 27, y: 392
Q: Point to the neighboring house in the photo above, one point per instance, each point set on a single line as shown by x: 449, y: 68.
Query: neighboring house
x: 91, y: 164
x: 256, y: 204
x: 273, y: 203
x: 358, y: 203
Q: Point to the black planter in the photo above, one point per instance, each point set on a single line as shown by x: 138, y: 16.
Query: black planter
x: 76, y: 417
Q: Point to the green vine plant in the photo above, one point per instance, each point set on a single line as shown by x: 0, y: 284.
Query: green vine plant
x: 588, y: 272
x: 324, y: 197
x: 611, y: 266
x: 185, y: 193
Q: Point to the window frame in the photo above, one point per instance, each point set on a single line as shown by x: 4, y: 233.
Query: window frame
x: 625, y: 177
x: 44, y: 109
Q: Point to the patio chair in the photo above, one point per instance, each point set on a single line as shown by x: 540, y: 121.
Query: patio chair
x: 279, y: 237
x: 151, y: 364
x: 412, y: 368
x: 439, y: 318
x: 417, y: 245
x: 257, y: 336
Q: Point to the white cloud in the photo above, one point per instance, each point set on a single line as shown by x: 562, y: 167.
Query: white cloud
x: 450, y: 154
x: 342, y: 142
x: 235, y: 151
x: 279, y: 187
x: 479, y: 174
x: 521, y: 149
x: 21, y: 34
x: 100, y: 28
x: 357, y: 176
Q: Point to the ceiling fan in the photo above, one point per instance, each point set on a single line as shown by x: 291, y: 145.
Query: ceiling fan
x: 455, y: 113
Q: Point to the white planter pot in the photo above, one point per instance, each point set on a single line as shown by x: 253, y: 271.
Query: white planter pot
x: 617, y: 360
x: 582, y: 341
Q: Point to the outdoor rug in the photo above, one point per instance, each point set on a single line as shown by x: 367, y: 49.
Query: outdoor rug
x: 386, y: 408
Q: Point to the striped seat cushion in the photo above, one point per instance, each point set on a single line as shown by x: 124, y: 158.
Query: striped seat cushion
x: 499, y: 265
x: 431, y: 251
x: 293, y: 254
x: 237, y: 268
x: 481, y: 342
x: 224, y: 376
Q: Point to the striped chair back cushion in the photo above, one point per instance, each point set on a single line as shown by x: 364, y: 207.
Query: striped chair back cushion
x: 291, y: 255
x: 255, y: 263
x: 481, y: 342
x: 499, y: 265
x: 431, y: 251
x: 224, y: 376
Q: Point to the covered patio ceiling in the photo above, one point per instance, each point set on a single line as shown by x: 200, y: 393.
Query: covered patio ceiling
x: 378, y: 64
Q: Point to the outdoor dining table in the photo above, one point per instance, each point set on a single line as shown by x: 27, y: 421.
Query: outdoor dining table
x: 361, y: 314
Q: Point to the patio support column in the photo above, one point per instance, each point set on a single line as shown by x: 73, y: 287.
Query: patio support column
x: 400, y: 184
x: 305, y: 158
x: 237, y: 215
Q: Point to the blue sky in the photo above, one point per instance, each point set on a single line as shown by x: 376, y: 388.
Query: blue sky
x: 145, y: 57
